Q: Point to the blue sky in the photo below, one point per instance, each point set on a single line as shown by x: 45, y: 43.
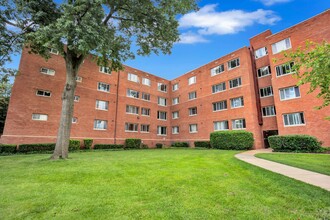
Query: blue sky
x: 221, y: 27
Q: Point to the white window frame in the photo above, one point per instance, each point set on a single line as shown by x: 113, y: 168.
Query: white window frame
x: 47, y: 71
x: 146, y: 81
x: 99, y: 121
x: 236, y: 61
x: 191, y: 126
x: 289, y: 88
x: 268, y: 111
x: 282, y: 45
x: 133, y: 78
x: 143, y: 96
x: 175, y: 129
x: 262, y: 70
x: 142, y: 130
x: 74, y: 120
x: 78, y: 79
x: 175, y: 87
x: 39, y: 117
x: 162, y: 87
x: 44, y: 92
x: 217, y: 70
x: 100, y: 85
x: 219, y: 104
x: 239, y: 80
x: 216, y: 126
x: 53, y: 51
x: 235, y: 101
x: 216, y: 88
x: 295, y: 114
x: 99, y: 106
x: 175, y: 101
x: 261, y: 52
x: 135, y: 127
x: 162, y: 115
x: 132, y: 110
x: 175, y: 113
x: 105, y: 69
x: 192, y: 80
x: 281, y: 69
x: 160, y: 129
x: 192, y: 95
x: 76, y: 98
x: 162, y: 101
x: 134, y: 95
x: 241, y: 122
x: 265, y: 90
x: 144, y: 110
x: 191, y: 111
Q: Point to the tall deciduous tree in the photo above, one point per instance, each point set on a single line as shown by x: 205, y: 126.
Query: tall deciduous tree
x: 101, y: 27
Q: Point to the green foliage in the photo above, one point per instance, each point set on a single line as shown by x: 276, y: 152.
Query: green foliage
x: 36, y: 148
x: 7, y: 148
x: 159, y: 145
x: 202, y: 144
x: 312, y: 66
x: 232, y: 140
x: 133, y: 143
x: 294, y: 143
x: 74, y: 145
x: 144, y: 146
x: 88, y: 143
x: 180, y: 144
x: 108, y: 146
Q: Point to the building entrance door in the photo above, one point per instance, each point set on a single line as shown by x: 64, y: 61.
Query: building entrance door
x: 267, y: 134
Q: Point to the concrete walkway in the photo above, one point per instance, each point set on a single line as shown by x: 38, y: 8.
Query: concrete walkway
x: 306, y: 176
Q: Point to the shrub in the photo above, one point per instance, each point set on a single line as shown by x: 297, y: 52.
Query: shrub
x: 180, y: 144
x: 108, y: 146
x: 159, y: 145
x: 203, y: 144
x: 74, y: 145
x: 294, y: 143
x: 144, y: 146
x: 7, y: 148
x: 30, y: 148
x: 231, y: 140
x: 88, y: 143
x: 132, y: 143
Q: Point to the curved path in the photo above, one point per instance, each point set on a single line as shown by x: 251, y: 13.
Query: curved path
x: 306, y: 176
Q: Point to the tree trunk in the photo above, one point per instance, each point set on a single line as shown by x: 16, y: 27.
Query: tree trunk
x: 63, y: 135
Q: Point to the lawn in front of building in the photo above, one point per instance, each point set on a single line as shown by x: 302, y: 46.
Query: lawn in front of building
x: 319, y: 163
x: 152, y: 184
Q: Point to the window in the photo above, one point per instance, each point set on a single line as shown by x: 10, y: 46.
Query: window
x: 161, y: 130
x: 192, y: 111
x: 260, y: 52
x: 193, y: 128
x: 175, y: 130
x: 235, y: 83
x: 43, y: 93
x: 74, y: 120
x: 103, y: 87
x: 284, y: 69
x: 161, y: 115
x: 131, y: 127
x: 237, y: 102
x: 145, y: 111
x: 145, y: 96
x: 145, y: 128
x: 162, y: 101
x: 281, y: 45
x: 130, y: 109
x: 266, y: 92
x: 102, y: 105
x: 233, y: 64
x: 132, y: 77
x: 192, y: 95
x: 192, y: 80
x: 47, y: 71
x: 294, y: 119
x: 53, y: 51
x: 132, y: 93
x: 220, y: 125
x: 175, y: 115
x: 218, y: 106
x: 219, y: 87
x: 78, y: 78
x: 175, y: 87
x: 238, y: 124
x: 105, y: 69
x: 162, y: 87
x: 76, y: 98
x: 100, y: 124
x: 289, y: 93
x: 175, y: 101
x: 217, y: 70
x: 39, y: 117
x: 264, y: 71
x: 268, y: 111
x: 146, y: 81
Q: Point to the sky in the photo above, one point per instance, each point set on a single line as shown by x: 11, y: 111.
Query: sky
x: 219, y: 28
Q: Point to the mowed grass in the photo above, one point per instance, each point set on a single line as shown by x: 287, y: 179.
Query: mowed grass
x: 152, y: 184
x: 314, y: 162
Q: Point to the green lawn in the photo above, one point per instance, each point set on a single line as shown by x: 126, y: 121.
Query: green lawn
x: 152, y: 184
x: 314, y: 162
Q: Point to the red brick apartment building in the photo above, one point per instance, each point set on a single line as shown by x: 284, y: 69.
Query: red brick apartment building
x: 242, y: 90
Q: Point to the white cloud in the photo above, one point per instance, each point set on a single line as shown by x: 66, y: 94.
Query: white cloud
x: 272, y: 2
x: 191, y: 38
x: 208, y: 21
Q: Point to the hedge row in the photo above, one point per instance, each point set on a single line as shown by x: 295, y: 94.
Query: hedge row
x: 7, y: 148
x: 133, y: 143
x: 232, y: 140
x: 202, y: 144
x: 180, y: 144
x: 108, y: 146
x: 294, y: 143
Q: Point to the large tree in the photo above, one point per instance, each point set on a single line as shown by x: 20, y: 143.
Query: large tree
x: 77, y: 28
